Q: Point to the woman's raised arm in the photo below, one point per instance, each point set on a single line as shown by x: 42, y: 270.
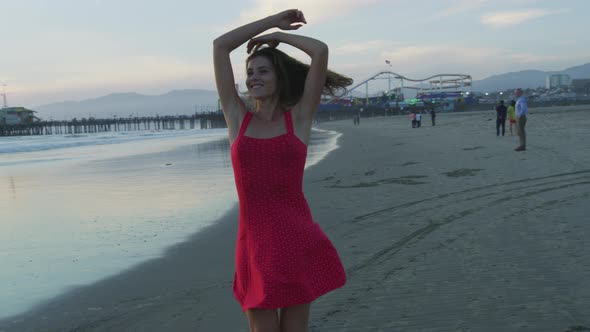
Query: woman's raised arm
x: 231, y: 104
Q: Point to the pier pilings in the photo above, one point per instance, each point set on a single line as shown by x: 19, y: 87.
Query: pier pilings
x: 91, y: 125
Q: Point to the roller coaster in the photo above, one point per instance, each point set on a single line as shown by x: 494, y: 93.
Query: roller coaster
x: 437, y: 85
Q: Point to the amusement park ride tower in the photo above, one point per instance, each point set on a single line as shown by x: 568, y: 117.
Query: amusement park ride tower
x: 4, y: 105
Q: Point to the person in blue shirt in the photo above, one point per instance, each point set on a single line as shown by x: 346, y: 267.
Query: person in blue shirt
x: 521, y: 117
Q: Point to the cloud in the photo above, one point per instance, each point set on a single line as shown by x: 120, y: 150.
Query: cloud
x: 203, y: 29
x: 314, y: 10
x: 131, y: 73
x: 364, y: 46
x: 416, y: 55
x: 418, y: 62
x: 529, y: 58
x: 452, y: 55
x: 510, y: 18
x: 460, y: 7
x: 136, y: 70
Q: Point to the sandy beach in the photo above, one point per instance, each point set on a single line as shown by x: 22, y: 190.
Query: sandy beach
x: 441, y: 228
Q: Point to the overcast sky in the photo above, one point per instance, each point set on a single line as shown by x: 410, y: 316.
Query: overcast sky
x: 56, y: 50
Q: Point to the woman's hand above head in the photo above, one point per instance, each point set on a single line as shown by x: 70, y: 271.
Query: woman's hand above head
x: 291, y: 19
x: 271, y: 39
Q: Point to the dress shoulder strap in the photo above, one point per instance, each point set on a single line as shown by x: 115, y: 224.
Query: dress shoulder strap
x: 245, y: 123
x: 289, y: 122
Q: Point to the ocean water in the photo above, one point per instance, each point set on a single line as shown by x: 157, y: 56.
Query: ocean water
x: 78, y: 208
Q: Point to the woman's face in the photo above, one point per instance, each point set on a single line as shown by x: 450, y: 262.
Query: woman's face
x: 261, y: 78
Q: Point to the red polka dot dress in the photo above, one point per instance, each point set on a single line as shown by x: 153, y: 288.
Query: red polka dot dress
x: 283, y: 258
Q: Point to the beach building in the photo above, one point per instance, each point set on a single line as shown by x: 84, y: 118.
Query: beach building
x: 17, y: 115
x: 581, y: 86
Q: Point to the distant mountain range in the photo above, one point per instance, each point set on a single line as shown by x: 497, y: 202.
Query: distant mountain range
x: 191, y: 101
x: 133, y: 104
x: 526, y: 79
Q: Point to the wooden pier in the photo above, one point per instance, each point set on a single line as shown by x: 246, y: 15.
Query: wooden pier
x: 179, y: 122
x: 91, y: 125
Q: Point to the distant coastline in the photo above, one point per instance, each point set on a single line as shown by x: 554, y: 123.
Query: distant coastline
x: 190, y: 101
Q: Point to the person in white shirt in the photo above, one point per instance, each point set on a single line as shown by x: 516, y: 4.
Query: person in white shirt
x: 521, y: 114
x: 418, y: 119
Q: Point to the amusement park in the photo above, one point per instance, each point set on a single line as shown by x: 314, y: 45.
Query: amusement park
x: 388, y: 92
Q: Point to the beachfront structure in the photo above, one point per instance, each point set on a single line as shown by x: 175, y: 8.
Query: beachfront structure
x: 17, y: 115
x: 438, y: 88
x: 581, y: 86
x: 557, y: 81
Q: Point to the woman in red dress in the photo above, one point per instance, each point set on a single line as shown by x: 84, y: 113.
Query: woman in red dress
x: 284, y: 260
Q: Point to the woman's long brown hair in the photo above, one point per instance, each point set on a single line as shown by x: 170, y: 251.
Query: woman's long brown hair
x: 291, y: 74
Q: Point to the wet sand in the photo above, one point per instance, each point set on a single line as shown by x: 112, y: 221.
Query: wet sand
x: 440, y: 228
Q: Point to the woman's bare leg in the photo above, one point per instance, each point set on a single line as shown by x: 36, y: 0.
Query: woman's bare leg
x: 295, y: 318
x: 263, y: 320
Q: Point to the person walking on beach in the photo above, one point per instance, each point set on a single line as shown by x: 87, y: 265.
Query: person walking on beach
x: 512, y: 115
x: 418, y: 119
x: 432, y: 116
x: 413, y: 119
x: 284, y: 261
x: 357, y: 117
x: 500, y: 118
x: 521, y: 111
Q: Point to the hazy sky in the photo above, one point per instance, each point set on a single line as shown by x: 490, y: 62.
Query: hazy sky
x: 56, y: 50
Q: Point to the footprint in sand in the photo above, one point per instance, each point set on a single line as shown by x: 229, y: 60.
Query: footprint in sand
x: 325, y: 179
x: 463, y: 172
x: 473, y: 148
x: 405, y: 180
